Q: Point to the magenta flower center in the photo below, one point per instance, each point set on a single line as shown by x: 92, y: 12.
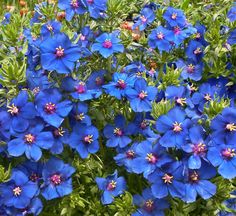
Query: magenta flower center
x: 144, y: 124
x: 82, y: 37
x: 207, y: 97
x: 199, y: 149
x: 121, y: 84
x: 49, y: 27
x: 17, y: 191
x: 29, y: 138
x: 50, y: 108
x: 58, y: 132
x: 130, y: 154
x: 197, y: 35
x: 107, y: 43
x: 118, y: 132
x: 194, y: 177
x: 56, y: 179
x: 149, y: 205
x: 99, y: 81
x: 80, y: 88
x: 13, y: 110
x: 90, y: 1
x: 143, y: 19
x: 160, y: 36
x: 142, y: 95
x: 177, y: 30
x: 111, y: 185
x: 197, y: 51
x: 88, y: 139
x: 174, y: 16
x: 151, y: 158
x: 231, y: 127
x: 228, y: 153
x: 181, y: 101
x: 74, y: 3
x: 167, y: 178
x: 34, y: 177
x: 177, y: 127
x: 190, y: 68
x: 59, y: 52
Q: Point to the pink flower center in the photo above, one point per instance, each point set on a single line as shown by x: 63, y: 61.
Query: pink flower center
x: 177, y: 127
x: 58, y: 132
x: 34, y: 177
x: 230, y: 127
x: 181, y: 101
x: 194, y: 177
x: 143, y: 19
x: 144, y: 124
x: 56, y: 179
x: 190, y: 68
x: 50, y: 108
x: 142, y: 95
x: 90, y: 1
x: 149, y: 205
x: 197, y: 51
x: 107, y: 44
x: 74, y: 3
x: 199, y: 149
x: 174, y: 16
x: 177, y: 30
x: 121, y: 84
x: 13, y: 110
x: 49, y: 27
x: 29, y: 138
x: 17, y: 191
x: 228, y: 153
x: 88, y: 139
x: 130, y: 154
x: 151, y: 158
x: 207, y: 97
x: 111, y: 185
x: 118, y: 132
x: 99, y: 81
x: 80, y: 88
x: 167, y: 178
x: 197, y: 35
x: 82, y: 37
x: 160, y: 36
x: 59, y: 52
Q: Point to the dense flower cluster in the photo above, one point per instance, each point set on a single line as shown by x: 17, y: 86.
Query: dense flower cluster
x: 178, y: 153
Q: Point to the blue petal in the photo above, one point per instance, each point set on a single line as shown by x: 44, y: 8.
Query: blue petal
x: 227, y: 169
x: 194, y: 162
x: 16, y: 147
x: 205, y: 189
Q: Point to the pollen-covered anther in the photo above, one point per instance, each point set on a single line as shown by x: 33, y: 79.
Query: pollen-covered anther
x: 29, y: 138
x: 111, y: 185
x: 50, y: 108
x: 174, y: 16
x: 149, y: 205
x: 118, y: 132
x: 207, y: 97
x: 79, y: 117
x: 231, y: 127
x: 199, y: 148
x: 177, y: 127
x: 107, y: 43
x: 121, y: 84
x: 142, y: 95
x: 49, y: 27
x: 167, y: 178
x: 151, y: 158
x: 130, y: 154
x: 194, y: 177
x: 160, y: 36
x: 88, y: 139
x: 59, y: 52
x: 197, y: 51
x: 12, y: 109
x: 190, y: 68
x: 197, y: 35
x: 56, y: 179
x: 181, y: 101
x: 58, y: 132
x: 228, y: 153
x: 17, y: 191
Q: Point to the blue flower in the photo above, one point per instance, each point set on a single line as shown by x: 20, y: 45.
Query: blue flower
x: 149, y: 205
x: 50, y: 28
x: 223, y: 157
x: 199, y: 35
x: 96, y: 7
x: 232, y: 37
x: 148, y: 158
x: 194, y: 51
x: 224, y: 126
x: 174, y: 127
x: 71, y: 8
x: 197, y: 147
x: 112, y: 186
x: 117, y: 135
x: 175, y: 17
x: 168, y: 180
x: 59, y: 54
x: 232, y: 14
x: 147, y: 17
x: 197, y: 183
x: 96, y: 80
x: 18, y: 191
x: 107, y: 44
x: 84, y: 139
x: 86, y: 36
x: 57, y: 179
x: 6, y: 19
x: 160, y: 38
x: 4, y: 125
x: 190, y: 70
x: 141, y: 96
x: 30, y: 142
x: 51, y: 107
x: 120, y: 84
x: 21, y: 112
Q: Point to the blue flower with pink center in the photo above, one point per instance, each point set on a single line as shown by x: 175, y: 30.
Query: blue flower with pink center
x: 195, y: 51
x: 84, y: 139
x: 111, y: 186
x: 147, y: 16
x: 57, y: 179
x: 96, y: 8
x: 59, y: 54
x: 175, y: 17
x: 51, y: 107
x: 141, y: 96
x: 50, y: 28
x: 71, y: 7
x: 107, y: 44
